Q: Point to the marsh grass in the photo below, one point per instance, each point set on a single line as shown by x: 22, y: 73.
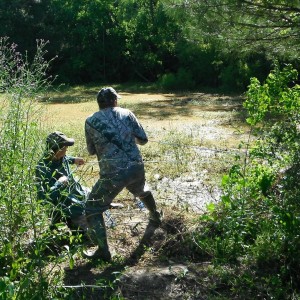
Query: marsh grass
x: 24, y: 224
x: 183, y: 137
x: 64, y: 93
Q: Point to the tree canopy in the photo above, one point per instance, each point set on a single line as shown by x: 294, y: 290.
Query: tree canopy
x: 272, y: 26
x: 178, y: 43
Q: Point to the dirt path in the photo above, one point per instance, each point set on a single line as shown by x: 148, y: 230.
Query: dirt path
x: 149, y: 263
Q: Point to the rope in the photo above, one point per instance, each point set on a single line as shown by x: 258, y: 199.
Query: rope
x: 224, y: 151
x: 197, y: 147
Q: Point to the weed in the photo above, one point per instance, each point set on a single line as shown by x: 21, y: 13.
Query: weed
x: 24, y: 237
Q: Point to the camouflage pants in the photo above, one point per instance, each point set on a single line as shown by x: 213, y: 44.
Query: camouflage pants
x: 109, y: 186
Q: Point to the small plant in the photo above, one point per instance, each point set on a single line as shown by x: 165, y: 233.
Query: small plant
x: 182, y: 80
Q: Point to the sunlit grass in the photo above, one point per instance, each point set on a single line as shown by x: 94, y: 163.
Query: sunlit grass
x: 184, y: 136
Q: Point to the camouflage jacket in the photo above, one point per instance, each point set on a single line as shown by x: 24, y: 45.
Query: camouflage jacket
x: 69, y: 199
x: 113, y: 134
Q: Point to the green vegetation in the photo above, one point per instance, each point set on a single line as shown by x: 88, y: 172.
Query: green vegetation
x: 243, y: 246
x: 25, y: 241
x: 255, y: 226
x: 250, y: 237
x: 269, y: 26
x: 177, y: 44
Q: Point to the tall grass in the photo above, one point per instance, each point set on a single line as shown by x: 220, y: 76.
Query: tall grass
x: 23, y: 221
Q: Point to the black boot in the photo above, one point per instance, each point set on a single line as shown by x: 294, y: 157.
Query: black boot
x: 149, y: 202
x: 97, y: 232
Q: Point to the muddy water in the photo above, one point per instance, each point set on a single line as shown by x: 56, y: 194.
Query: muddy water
x: 190, y: 193
x: 217, y: 124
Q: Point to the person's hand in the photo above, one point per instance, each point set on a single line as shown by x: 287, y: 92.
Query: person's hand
x: 63, y: 179
x: 79, y: 161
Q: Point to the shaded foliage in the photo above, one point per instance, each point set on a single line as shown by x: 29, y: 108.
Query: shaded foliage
x: 24, y: 234
x: 271, y: 25
x: 95, y: 40
x: 128, y: 40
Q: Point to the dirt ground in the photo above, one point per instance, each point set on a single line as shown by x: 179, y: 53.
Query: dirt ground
x: 148, y: 263
x: 153, y: 263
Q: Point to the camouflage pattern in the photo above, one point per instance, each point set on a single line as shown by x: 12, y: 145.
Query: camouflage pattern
x: 108, y: 187
x: 57, y: 140
x: 68, y: 199
x: 112, y: 134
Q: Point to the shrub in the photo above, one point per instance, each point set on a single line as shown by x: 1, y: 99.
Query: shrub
x: 258, y: 215
x: 182, y: 80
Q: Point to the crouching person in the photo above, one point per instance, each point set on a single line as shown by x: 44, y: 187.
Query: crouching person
x: 56, y: 184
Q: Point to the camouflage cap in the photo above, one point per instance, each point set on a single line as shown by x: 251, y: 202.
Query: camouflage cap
x: 57, y: 140
x: 107, y: 95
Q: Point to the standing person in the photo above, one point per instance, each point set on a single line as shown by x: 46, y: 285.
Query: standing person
x: 112, y: 133
x: 56, y: 184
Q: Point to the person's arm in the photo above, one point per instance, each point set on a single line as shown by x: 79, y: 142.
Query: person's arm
x: 138, y: 131
x: 89, y: 141
x: 75, y: 160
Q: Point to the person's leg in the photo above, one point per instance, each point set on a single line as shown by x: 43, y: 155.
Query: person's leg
x: 103, y: 192
x: 101, y: 196
x: 149, y: 202
x: 138, y: 188
x: 97, y: 233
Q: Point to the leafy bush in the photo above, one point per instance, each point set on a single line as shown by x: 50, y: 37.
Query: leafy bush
x: 182, y: 80
x: 235, y: 75
x: 257, y: 219
x: 201, y: 60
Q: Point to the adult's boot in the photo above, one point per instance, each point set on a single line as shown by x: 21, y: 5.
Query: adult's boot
x: 149, y: 202
x: 97, y: 232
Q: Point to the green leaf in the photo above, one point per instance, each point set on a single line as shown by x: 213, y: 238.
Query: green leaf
x: 71, y: 262
x: 211, y: 207
x: 225, y: 180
